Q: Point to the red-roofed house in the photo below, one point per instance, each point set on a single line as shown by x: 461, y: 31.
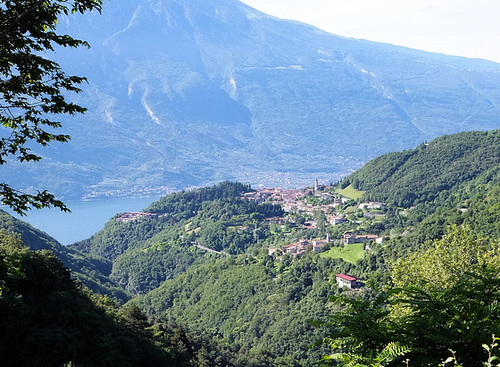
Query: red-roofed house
x: 349, y: 281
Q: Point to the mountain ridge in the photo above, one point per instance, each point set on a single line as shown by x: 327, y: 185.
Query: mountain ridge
x: 421, y: 174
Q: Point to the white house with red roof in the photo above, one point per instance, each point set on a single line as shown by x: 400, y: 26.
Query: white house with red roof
x: 349, y: 281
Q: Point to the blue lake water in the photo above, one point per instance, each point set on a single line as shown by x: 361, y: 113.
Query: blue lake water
x: 85, y: 219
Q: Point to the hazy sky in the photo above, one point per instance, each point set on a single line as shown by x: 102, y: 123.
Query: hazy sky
x: 468, y: 28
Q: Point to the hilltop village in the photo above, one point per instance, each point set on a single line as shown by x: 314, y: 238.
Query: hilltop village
x: 303, y: 207
x: 311, y: 211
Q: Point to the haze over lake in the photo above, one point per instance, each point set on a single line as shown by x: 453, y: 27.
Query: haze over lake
x: 85, y: 219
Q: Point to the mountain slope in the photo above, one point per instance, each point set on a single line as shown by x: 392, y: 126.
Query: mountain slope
x: 145, y: 253
x: 187, y: 92
x: 91, y: 271
x: 452, y: 180
x: 49, y: 320
x: 255, y: 305
x: 444, y: 165
x: 260, y: 315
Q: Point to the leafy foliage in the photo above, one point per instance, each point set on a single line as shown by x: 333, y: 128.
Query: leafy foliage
x: 32, y: 87
x: 47, y: 320
x: 447, y: 260
x: 449, y: 298
x: 248, y: 309
x: 10, y: 258
x: 459, y: 318
x: 360, y: 331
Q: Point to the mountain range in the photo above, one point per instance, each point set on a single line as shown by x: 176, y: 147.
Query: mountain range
x: 189, y: 92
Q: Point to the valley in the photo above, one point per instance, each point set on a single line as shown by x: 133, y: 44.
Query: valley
x: 248, y: 273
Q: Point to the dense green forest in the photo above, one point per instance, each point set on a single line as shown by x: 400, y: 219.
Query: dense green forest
x: 49, y: 319
x: 258, y: 314
x: 439, y: 168
x: 198, y: 275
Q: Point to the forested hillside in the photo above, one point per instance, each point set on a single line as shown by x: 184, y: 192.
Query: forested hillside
x: 253, y: 305
x: 91, y: 271
x: 146, y: 252
x: 216, y: 273
x: 451, y: 180
x: 256, y: 306
x: 441, y: 297
x: 434, y: 169
x: 48, y: 319
x: 257, y: 312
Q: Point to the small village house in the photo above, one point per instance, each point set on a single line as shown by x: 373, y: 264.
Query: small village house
x: 133, y: 216
x: 371, y: 205
x: 350, y: 238
x: 349, y: 281
x: 337, y: 220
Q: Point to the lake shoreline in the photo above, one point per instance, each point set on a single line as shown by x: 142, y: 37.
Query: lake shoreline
x: 86, y: 218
